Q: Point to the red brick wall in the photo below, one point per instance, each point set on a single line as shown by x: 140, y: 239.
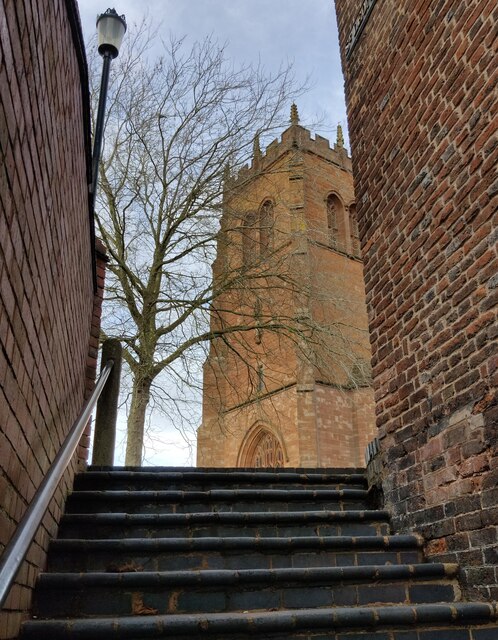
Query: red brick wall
x: 422, y: 105
x: 46, y: 286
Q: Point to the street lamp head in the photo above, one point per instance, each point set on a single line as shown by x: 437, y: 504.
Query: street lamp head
x: 111, y: 29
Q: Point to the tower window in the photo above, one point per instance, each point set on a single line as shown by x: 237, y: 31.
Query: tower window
x: 336, y: 224
x: 261, y: 378
x: 265, y: 226
x: 267, y: 452
x: 257, y: 233
x: 249, y: 240
x: 258, y: 318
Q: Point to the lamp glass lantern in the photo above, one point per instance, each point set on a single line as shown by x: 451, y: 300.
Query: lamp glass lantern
x: 111, y: 29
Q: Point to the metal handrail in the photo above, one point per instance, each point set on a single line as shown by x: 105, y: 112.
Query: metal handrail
x: 16, y: 550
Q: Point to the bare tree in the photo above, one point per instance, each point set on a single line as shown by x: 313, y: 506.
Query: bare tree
x: 174, y: 122
x: 177, y: 126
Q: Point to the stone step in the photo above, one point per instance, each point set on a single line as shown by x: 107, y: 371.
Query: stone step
x: 279, y: 555
x: 170, y: 554
x: 262, y: 524
x: 107, y: 594
x: 457, y: 621
x: 216, y: 500
x: 171, y: 478
x: 226, y: 471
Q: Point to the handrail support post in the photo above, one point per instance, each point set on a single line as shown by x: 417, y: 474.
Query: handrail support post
x: 107, y: 407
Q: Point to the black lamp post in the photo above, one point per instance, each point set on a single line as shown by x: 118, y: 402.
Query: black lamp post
x: 111, y: 29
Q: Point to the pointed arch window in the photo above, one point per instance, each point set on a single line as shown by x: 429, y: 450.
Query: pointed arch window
x: 331, y: 216
x: 267, y: 452
x: 262, y: 448
x: 257, y: 233
x: 258, y: 316
x: 249, y: 239
x: 261, y: 378
x: 265, y: 227
x: 336, y: 222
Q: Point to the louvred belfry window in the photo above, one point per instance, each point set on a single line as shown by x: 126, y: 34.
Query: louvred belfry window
x: 249, y: 241
x: 266, y: 224
x: 335, y: 223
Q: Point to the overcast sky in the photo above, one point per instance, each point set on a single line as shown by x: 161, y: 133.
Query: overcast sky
x: 302, y: 31
x: 274, y: 31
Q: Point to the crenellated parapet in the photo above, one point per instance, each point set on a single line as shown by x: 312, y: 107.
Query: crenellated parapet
x: 295, y: 138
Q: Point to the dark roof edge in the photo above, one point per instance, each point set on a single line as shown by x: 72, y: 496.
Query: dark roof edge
x: 73, y: 15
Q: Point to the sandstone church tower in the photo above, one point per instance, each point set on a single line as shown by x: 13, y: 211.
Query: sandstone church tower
x: 287, y: 381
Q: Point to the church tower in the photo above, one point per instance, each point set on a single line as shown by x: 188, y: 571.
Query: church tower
x: 287, y: 380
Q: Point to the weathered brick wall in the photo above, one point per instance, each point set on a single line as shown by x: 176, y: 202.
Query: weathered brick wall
x: 422, y: 92
x: 344, y: 425
x: 46, y: 287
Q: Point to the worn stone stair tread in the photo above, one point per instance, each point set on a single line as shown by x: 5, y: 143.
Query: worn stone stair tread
x: 231, y: 517
x: 274, y: 622
x: 302, y: 477
x: 221, y: 494
x: 206, y: 553
x: 225, y: 576
x: 342, y: 471
x: 223, y: 523
x: 243, y: 542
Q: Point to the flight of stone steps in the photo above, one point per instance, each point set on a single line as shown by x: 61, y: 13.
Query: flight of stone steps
x: 234, y: 554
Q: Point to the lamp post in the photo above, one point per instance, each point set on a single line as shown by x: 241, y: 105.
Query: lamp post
x: 111, y: 29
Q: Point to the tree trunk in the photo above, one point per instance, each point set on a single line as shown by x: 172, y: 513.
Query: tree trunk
x: 136, y: 421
